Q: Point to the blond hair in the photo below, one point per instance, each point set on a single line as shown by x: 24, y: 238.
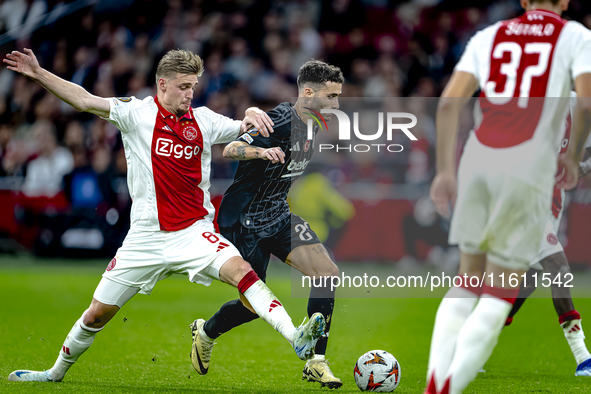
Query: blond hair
x: 179, y: 61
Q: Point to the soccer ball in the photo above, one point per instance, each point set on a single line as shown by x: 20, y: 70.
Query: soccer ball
x: 377, y: 370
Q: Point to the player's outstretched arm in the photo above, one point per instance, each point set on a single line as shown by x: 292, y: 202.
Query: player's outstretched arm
x: 458, y: 91
x: 256, y: 118
x: 239, y: 150
x: 75, y: 95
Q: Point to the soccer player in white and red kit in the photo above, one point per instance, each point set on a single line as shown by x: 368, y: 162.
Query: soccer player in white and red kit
x: 523, y: 68
x: 168, y: 152
x: 552, y: 260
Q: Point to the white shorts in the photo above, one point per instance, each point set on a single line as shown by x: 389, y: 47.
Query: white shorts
x: 550, y: 244
x: 149, y: 256
x: 497, y: 214
x: 113, y: 293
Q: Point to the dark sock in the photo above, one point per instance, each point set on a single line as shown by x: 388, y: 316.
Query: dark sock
x: 231, y: 314
x: 321, y: 300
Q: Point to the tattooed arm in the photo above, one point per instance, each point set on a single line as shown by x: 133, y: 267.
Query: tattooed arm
x: 239, y: 150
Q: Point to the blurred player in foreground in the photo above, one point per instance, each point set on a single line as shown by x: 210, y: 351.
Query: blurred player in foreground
x: 255, y: 216
x: 168, y: 152
x: 525, y: 68
x: 552, y: 261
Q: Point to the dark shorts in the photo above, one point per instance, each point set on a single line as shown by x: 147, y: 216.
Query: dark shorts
x: 279, y: 240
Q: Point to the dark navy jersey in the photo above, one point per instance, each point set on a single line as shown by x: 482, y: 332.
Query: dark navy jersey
x: 257, y: 198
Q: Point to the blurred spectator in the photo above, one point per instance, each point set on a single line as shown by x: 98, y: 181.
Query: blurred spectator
x: 84, y: 72
x: 216, y: 78
x: 305, y: 43
x: 262, y: 80
x: 81, y: 185
x: 386, y: 82
x: 138, y: 86
x: 121, y: 70
x: 426, y: 225
x: 315, y: 199
x: 341, y: 16
x: 84, y: 34
x: 102, y: 134
x: 143, y: 57
x: 45, y: 173
x: 6, y: 134
x: 189, y: 35
x: 47, y: 108
x: 252, y: 51
x: 441, y: 61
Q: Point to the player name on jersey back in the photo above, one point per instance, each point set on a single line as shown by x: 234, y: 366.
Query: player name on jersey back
x: 168, y: 160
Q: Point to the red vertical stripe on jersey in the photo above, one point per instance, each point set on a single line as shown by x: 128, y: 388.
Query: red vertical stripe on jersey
x: 176, y: 163
x: 507, y: 294
x: 556, y: 202
x: 568, y: 316
x: 508, y: 124
x: 247, y: 281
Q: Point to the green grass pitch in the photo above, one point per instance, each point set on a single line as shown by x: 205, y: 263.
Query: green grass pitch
x: 145, y: 349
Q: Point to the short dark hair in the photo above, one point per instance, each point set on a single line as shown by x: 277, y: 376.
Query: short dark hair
x: 315, y: 73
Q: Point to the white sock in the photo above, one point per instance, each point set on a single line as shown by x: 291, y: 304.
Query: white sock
x: 476, y: 341
x: 77, y: 342
x: 319, y: 357
x: 573, y: 332
x: 268, y: 308
x: 204, y: 336
x: 451, y: 315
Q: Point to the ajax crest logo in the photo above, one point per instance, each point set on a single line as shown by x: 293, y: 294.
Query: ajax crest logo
x: 112, y: 264
x: 307, y: 146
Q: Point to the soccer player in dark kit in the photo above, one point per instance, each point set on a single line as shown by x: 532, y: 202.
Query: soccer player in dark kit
x: 255, y: 216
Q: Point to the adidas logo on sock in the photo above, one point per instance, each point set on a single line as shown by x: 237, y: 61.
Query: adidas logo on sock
x: 221, y: 246
x: 274, y: 304
x: 66, y: 350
